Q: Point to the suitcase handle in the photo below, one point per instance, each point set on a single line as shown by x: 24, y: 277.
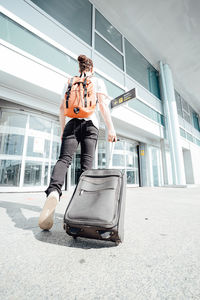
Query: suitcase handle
x: 111, y: 149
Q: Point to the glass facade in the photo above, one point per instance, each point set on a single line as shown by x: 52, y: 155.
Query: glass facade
x: 108, y: 51
x: 102, y: 153
x: 108, y: 30
x: 155, y: 166
x: 113, y: 90
x: 141, y: 70
x: 10, y: 170
x: 26, y: 141
x: 76, y: 167
x: 125, y: 157
x: 11, y: 144
x: 186, y: 112
x: 25, y: 40
x: 74, y: 15
x: 77, y: 17
x: 146, y: 110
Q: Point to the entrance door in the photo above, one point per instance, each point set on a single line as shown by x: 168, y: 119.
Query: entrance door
x: 155, y: 161
x: 189, y: 176
x: 125, y: 157
x: 75, y: 167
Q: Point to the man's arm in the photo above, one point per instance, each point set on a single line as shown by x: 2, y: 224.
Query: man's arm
x: 62, y: 117
x: 105, y: 112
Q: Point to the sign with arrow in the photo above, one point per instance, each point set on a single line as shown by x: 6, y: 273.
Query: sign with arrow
x: 123, y: 98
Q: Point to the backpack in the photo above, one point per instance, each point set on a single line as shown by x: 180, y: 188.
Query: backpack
x: 80, y: 98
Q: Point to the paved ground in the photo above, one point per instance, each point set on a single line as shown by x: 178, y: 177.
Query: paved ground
x: 159, y: 259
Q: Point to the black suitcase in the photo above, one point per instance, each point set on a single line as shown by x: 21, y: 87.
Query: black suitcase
x: 96, y: 209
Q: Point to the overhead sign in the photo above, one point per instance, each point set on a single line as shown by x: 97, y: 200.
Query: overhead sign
x: 123, y: 98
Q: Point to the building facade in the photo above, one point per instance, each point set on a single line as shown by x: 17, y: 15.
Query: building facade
x: 39, y: 44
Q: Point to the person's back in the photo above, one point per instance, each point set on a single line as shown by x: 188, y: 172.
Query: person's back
x: 74, y: 131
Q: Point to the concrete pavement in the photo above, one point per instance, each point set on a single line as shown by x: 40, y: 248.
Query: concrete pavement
x: 159, y: 259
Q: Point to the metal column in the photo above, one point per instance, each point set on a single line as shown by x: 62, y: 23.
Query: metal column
x: 172, y: 125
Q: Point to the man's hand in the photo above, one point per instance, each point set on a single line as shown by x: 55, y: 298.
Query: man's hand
x: 112, y: 136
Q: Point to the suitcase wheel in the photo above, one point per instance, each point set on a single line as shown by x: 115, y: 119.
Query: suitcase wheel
x: 117, y: 243
x: 74, y: 237
x: 74, y: 230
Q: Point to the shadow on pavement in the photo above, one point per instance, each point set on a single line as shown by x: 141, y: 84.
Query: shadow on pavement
x: 55, y: 236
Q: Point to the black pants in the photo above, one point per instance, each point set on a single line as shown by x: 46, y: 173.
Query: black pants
x: 76, y: 131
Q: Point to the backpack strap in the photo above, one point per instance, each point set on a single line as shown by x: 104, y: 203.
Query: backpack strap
x: 85, y: 91
x: 69, y: 90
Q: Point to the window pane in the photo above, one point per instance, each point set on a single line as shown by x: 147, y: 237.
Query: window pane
x: 10, y: 172
x: 196, y: 121
x: 46, y: 174
x: 38, y: 147
x: 55, y: 150
x: 32, y: 173
x: 101, y: 154
x: 186, y: 117
x: 182, y: 133
x: 185, y: 105
x: 119, y: 145
x: 131, y: 177
x: 22, y: 38
x: 189, y: 137
x: 118, y: 160
x: 155, y: 167
x: 130, y: 160
x: 178, y: 104
x: 108, y: 30
x: 146, y: 110
x: 74, y: 15
x: 141, y: 70
x: 13, y: 119
x: 108, y: 51
x: 11, y: 144
x: 113, y: 90
x: 56, y: 130
x: 40, y: 124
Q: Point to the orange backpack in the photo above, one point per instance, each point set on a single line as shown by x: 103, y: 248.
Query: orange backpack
x: 80, y: 98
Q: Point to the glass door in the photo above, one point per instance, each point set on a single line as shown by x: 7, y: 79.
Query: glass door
x: 76, y: 167
x: 29, y: 148
x: 156, y: 168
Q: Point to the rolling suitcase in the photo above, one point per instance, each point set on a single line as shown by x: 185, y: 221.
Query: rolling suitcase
x: 96, y: 209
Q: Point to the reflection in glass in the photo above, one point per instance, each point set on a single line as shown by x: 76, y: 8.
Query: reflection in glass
x: 131, y: 177
x: 32, y: 173
x: 10, y: 172
x: 11, y: 144
x: 74, y: 15
x: 108, y: 30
